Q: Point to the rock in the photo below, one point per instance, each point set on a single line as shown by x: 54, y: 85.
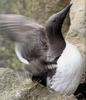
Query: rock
x: 77, y: 30
x: 77, y: 35
x: 78, y: 17
x: 15, y: 86
x: 11, y: 84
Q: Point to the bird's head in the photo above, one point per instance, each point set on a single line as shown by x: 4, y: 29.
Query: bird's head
x: 55, y: 21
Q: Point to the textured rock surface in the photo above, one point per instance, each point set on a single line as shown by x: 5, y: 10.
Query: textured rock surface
x: 14, y: 86
x: 77, y: 31
x: 78, y: 17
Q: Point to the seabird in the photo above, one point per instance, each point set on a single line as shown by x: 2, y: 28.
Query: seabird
x: 54, y: 62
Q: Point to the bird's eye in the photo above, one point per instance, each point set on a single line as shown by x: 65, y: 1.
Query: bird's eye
x: 54, y: 20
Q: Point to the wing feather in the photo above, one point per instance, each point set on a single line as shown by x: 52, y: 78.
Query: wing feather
x: 16, y: 27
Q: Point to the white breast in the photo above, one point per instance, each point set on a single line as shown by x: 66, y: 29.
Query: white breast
x: 69, y: 71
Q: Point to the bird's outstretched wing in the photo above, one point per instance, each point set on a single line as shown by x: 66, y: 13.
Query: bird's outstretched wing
x: 16, y: 27
x: 29, y: 36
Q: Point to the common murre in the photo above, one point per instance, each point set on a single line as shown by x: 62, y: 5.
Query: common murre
x: 69, y: 66
x: 51, y: 58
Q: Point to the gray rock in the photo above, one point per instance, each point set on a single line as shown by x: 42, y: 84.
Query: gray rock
x: 13, y: 86
x: 77, y: 30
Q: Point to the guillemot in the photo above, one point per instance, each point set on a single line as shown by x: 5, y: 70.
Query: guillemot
x: 69, y: 66
x: 53, y: 61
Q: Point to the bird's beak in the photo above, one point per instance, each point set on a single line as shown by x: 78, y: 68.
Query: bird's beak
x: 60, y: 16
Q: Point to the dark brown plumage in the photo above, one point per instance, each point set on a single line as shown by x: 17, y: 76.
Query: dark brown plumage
x: 35, y: 44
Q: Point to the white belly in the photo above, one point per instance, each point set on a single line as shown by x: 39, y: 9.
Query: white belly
x: 69, y: 71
